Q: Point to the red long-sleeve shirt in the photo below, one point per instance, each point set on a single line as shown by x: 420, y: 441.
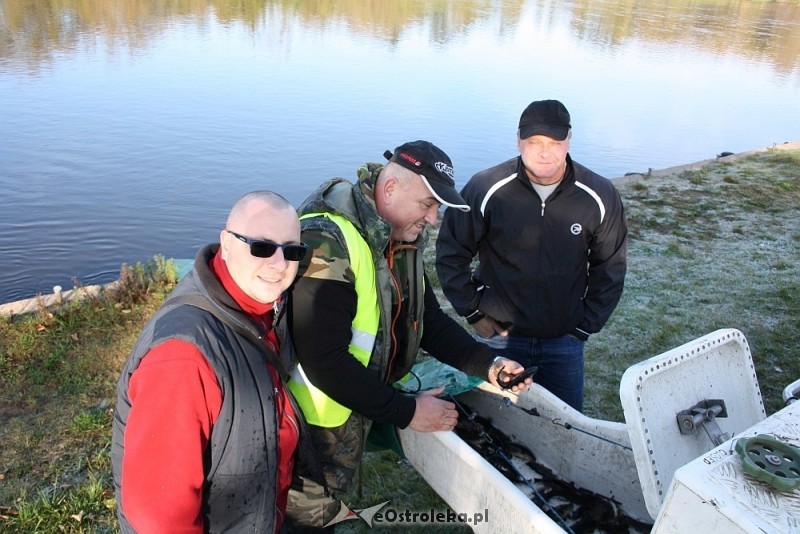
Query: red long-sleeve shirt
x: 176, y: 400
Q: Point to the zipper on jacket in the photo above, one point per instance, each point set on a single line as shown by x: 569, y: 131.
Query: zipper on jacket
x: 294, y: 423
x: 411, y: 302
x: 395, y: 316
x: 543, y: 209
x: 414, y: 317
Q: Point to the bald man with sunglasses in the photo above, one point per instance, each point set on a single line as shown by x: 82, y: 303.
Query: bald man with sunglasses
x: 205, y: 433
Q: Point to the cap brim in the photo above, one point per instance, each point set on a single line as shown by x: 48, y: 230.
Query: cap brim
x: 445, y: 194
x: 556, y: 132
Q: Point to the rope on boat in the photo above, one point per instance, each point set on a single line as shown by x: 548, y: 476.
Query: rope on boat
x: 533, y: 411
x: 498, y: 449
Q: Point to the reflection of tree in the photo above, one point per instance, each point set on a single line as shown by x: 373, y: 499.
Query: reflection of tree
x: 766, y: 31
x: 31, y: 31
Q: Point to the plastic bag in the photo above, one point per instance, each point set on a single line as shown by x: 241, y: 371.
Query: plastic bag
x: 432, y: 374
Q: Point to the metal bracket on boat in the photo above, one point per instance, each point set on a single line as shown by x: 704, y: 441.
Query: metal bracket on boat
x: 704, y: 414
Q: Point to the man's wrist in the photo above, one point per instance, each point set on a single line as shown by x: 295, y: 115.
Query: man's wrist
x: 494, y: 368
x: 474, y: 317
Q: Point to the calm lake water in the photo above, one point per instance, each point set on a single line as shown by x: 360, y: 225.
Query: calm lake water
x: 127, y: 129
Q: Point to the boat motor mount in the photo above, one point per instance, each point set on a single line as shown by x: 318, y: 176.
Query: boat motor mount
x: 704, y: 413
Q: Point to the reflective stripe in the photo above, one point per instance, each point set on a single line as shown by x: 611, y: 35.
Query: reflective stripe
x: 299, y: 375
x: 363, y: 340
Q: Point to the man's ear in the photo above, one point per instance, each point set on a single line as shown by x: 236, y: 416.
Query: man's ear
x: 224, y: 243
x: 388, y: 188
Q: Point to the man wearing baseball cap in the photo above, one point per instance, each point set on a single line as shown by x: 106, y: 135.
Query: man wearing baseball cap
x: 361, y: 311
x: 434, y: 167
x: 552, y: 241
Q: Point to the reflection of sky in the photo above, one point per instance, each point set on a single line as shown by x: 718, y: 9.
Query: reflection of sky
x: 175, y: 128
x: 284, y: 87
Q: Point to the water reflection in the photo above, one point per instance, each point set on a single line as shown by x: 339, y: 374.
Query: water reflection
x: 33, y: 32
x: 127, y: 128
x: 766, y: 31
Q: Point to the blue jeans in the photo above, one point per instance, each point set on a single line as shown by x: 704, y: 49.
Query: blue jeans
x: 560, y: 362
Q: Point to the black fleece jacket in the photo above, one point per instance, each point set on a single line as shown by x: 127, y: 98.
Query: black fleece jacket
x: 343, y: 378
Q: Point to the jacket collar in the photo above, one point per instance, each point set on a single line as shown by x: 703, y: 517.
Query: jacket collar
x: 356, y: 203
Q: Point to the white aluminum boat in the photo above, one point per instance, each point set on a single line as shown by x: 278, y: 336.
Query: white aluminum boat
x: 673, y: 464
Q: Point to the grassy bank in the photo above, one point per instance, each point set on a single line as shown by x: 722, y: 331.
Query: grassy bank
x: 710, y: 248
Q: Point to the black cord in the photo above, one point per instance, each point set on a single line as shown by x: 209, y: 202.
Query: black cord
x: 419, y: 382
x: 533, y: 411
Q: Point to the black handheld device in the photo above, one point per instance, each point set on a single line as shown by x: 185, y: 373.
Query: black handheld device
x: 517, y: 379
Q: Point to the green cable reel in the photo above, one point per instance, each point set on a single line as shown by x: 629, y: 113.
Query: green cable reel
x: 771, y: 461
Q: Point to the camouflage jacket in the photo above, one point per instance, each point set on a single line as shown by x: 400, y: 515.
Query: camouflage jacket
x: 340, y: 448
x: 325, y: 302
x: 357, y: 204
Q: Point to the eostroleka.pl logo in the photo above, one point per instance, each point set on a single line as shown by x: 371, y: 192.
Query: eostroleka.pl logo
x: 346, y: 514
x: 376, y: 514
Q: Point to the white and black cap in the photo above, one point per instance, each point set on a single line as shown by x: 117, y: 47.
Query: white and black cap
x: 435, y: 168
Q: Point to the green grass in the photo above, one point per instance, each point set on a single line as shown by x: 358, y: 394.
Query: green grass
x: 723, y: 254
x: 709, y: 249
x: 58, y: 375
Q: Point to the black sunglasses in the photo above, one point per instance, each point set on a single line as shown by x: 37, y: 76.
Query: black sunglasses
x: 265, y: 249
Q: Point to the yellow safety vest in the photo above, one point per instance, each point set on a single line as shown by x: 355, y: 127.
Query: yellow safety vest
x: 317, y: 407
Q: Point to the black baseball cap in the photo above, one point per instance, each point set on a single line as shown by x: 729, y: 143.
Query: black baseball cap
x: 545, y: 117
x: 435, y: 168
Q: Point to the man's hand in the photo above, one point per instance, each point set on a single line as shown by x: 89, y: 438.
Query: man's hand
x: 487, y: 327
x: 433, y: 414
x: 505, y: 369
